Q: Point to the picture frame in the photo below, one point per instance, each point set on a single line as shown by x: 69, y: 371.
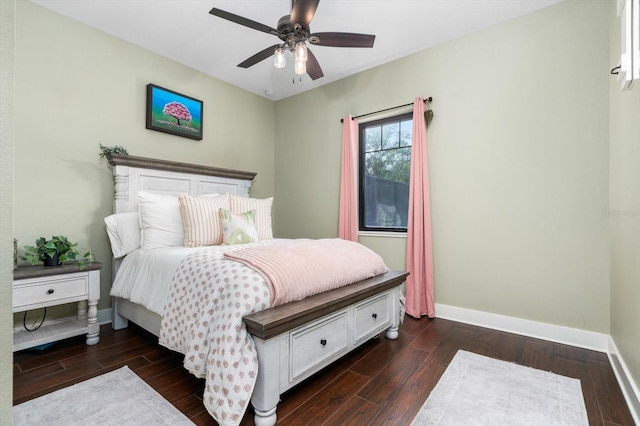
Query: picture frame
x: 174, y: 113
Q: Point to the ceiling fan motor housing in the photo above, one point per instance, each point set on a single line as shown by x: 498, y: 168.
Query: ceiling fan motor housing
x: 284, y: 25
x: 291, y: 34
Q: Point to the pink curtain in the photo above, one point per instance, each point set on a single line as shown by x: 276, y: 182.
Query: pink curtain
x: 419, y: 285
x: 347, y: 220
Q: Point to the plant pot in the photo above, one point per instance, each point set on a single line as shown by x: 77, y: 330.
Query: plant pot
x: 52, y: 261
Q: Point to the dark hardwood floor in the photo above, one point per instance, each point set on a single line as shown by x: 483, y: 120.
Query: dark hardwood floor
x: 384, y: 382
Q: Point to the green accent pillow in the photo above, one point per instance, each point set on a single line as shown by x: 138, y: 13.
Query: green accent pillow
x: 238, y: 228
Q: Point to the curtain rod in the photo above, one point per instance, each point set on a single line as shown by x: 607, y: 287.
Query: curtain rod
x: 429, y: 99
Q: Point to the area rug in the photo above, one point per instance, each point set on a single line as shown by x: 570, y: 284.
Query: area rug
x: 119, y: 397
x: 477, y: 390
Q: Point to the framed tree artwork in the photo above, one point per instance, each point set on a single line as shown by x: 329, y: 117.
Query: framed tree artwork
x: 174, y: 113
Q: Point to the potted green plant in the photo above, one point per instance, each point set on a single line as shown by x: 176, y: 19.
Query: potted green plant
x: 54, y: 251
x: 106, y: 151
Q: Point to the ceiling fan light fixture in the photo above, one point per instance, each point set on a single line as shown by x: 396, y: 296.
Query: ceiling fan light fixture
x: 301, y: 52
x: 300, y: 56
x: 300, y: 66
x: 279, y: 59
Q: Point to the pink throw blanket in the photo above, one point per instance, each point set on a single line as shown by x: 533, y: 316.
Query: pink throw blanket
x: 304, y: 267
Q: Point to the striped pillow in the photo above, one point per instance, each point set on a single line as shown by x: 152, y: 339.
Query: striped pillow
x: 200, y: 219
x: 263, y: 213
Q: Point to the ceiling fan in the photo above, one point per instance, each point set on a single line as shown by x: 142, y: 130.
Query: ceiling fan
x: 294, y: 33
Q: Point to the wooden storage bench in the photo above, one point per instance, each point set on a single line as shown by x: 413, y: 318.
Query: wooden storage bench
x: 299, y: 338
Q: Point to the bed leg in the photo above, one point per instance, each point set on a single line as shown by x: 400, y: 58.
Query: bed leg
x: 118, y: 322
x: 266, y: 393
x: 392, y: 333
x: 265, y: 418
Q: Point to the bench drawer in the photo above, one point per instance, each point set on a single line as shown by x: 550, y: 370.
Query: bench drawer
x: 372, y: 316
x: 312, y: 345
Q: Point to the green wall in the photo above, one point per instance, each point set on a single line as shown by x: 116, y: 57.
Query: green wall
x: 7, y: 27
x: 624, y: 202
x: 76, y: 88
x: 518, y: 163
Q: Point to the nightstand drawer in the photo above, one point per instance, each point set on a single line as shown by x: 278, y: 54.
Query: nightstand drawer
x: 39, y: 293
x: 310, y: 346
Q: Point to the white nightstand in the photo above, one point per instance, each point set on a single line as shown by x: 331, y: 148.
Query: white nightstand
x: 38, y: 287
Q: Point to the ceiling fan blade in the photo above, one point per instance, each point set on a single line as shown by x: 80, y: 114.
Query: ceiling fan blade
x: 313, y: 67
x: 260, y: 56
x: 243, y: 21
x: 303, y: 11
x: 342, y: 39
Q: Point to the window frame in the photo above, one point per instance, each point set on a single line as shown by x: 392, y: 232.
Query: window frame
x: 362, y: 228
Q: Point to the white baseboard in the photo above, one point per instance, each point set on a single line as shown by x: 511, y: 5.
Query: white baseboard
x: 104, y: 316
x: 629, y: 388
x: 554, y: 333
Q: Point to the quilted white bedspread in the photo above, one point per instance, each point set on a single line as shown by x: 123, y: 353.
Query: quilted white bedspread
x: 144, y: 277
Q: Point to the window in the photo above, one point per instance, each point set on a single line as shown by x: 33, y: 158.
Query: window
x: 385, y: 158
x: 629, y: 69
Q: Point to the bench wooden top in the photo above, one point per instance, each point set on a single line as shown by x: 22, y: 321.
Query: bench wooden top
x: 273, y: 321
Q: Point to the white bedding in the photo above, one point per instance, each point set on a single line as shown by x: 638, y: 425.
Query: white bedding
x: 144, y: 277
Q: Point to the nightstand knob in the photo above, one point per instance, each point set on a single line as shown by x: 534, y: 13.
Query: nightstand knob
x: 374, y: 315
x: 50, y: 291
x: 323, y: 342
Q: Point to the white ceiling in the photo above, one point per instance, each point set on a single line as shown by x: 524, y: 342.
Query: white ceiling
x: 183, y: 30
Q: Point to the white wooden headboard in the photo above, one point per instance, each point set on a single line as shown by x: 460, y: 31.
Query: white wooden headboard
x: 132, y: 174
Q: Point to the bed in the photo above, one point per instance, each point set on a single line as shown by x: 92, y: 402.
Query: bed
x: 290, y: 341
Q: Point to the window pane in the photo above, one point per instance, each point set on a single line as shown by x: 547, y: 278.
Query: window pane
x: 391, y: 135
x: 372, y: 138
x: 406, y: 132
x: 392, y: 165
x: 386, y: 186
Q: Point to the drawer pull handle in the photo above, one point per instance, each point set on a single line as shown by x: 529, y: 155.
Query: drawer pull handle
x: 323, y: 342
x: 50, y: 291
x: 374, y: 315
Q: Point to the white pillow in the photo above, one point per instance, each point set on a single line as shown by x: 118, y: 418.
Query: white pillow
x: 160, y: 221
x: 124, y: 233
x: 263, y: 213
x: 200, y: 219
